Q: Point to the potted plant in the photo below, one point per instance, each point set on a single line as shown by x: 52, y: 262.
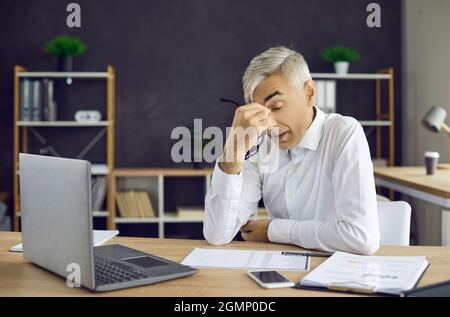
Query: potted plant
x: 341, y: 56
x: 65, y: 48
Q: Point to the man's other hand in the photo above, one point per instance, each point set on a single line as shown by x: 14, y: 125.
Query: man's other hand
x: 256, y: 231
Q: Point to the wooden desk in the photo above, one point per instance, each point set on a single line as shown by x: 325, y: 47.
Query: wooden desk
x: 414, y: 182
x: 21, y: 278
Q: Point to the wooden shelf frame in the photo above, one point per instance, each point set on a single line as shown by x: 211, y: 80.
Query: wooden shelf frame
x: 21, y: 130
x: 389, y: 115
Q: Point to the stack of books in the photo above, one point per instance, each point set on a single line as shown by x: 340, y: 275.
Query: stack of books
x: 36, y: 100
x: 186, y: 212
x: 134, y: 204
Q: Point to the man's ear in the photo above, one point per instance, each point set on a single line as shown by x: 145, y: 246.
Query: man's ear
x: 310, y: 92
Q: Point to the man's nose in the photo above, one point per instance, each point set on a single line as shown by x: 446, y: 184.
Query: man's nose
x: 273, y: 119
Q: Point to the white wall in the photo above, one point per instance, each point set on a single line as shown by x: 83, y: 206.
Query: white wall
x: 426, y: 82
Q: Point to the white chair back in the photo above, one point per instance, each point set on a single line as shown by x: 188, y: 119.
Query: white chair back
x: 395, y: 219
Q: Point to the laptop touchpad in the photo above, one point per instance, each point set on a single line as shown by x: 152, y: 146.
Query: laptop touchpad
x: 145, y: 261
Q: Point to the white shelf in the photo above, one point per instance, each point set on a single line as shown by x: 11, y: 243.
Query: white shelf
x: 375, y: 123
x: 100, y: 213
x: 85, y: 75
x: 166, y: 219
x: 61, y: 124
x: 94, y: 214
x: 350, y: 76
x: 96, y: 170
x: 177, y: 219
x: 136, y: 220
x: 93, y: 75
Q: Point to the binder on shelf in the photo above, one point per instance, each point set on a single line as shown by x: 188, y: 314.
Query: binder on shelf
x: 48, y: 102
x: 36, y: 106
x: 330, y: 96
x: 326, y: 95
x: 25, y: 100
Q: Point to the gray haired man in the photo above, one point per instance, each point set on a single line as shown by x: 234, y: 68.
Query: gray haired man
x: 321, y: 195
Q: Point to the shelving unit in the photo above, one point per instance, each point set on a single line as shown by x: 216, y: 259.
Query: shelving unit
x: 382, y: 119
x: 22, y: 129
x: 152, y: 180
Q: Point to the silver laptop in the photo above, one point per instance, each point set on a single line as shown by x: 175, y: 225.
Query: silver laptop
x: 55, y: 196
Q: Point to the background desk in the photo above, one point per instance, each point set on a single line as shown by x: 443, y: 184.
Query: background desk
x: 21, y: 278
x: 414, y: 182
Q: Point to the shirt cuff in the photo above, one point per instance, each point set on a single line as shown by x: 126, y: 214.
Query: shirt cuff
x: 280, y: 230
x: 226, y: 186
x: 291, y: 231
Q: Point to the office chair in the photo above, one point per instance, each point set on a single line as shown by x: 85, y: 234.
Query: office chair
x: 394, y: 218
x: 382, y: 198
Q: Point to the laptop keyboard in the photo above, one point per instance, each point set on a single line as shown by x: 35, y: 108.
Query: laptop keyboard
x: 108, y: 271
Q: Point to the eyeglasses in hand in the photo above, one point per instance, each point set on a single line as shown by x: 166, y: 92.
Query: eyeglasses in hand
x: 254, y: 149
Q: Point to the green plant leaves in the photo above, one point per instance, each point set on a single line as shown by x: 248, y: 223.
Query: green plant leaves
x: 339, y: 53
x: 65, y: 45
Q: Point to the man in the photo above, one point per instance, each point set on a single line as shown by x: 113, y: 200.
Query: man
x: 322, y: 193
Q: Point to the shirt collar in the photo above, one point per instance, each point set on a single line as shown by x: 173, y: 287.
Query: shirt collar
x: 313, y: 135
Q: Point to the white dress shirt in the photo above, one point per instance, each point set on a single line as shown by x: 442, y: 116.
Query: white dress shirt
x: 320, y: 196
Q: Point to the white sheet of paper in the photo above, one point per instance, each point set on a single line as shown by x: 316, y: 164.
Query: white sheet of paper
x: 100, y: 237
x: 245, y: 259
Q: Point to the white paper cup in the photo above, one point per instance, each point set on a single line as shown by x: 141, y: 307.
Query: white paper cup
x: 431, y: 162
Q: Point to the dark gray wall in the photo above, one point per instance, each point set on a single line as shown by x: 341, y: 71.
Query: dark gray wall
x: 174, y: 58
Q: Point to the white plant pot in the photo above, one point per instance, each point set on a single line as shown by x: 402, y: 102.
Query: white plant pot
x: 341, y: 67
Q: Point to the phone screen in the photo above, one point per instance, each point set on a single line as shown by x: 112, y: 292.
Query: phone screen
x: 270, y: 277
